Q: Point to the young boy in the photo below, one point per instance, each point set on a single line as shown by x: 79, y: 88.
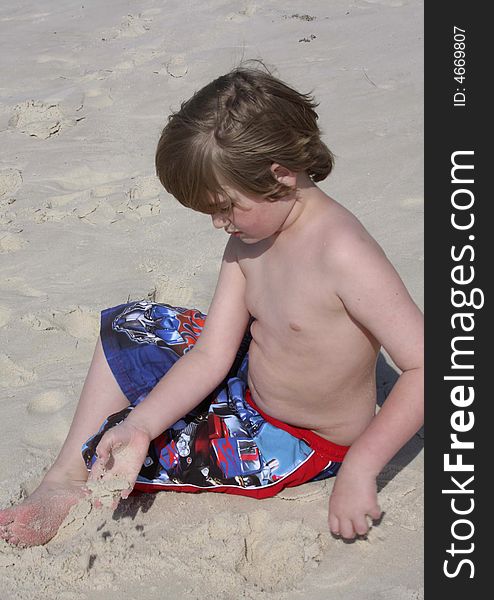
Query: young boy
x: 303, y: 287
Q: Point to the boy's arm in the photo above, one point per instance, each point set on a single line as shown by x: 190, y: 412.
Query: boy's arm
x: 199, y: 371
x: 375, y: 296
x: 122, y: 449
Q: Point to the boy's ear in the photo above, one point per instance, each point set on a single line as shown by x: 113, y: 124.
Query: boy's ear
x: 284, y: 175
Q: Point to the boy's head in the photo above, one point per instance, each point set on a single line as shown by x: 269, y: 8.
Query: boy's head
x: 231, y: 132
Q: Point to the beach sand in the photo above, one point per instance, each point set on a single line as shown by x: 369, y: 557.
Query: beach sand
x: 85, y: 90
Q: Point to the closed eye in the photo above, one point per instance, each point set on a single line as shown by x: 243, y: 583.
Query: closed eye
x: 224, y: 208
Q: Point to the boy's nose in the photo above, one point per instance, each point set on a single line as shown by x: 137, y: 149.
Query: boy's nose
x: 219, y: 220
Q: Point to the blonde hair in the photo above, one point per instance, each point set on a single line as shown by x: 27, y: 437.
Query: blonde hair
x: 230, y: 133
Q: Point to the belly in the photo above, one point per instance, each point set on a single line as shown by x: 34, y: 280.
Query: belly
x: 322, y: 382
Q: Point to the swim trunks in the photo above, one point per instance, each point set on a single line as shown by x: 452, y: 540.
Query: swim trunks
x: 226, y: 444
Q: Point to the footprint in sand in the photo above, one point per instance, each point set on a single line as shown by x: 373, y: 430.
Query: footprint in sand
x: 85, y: 180
x: 47, y: 403
x: 11, y: 241
x: 171, y: 290
x: 145, y: 188
x: 142, y: 199
x: 45, y: 431
x: 80, y: 323
x: 90, y: 206
x: 13, y: 375
x: 10, y: 182
x: 177, y: 66
x: 131, y: 26
x: 277, y: 555
x: 39, y: 119
x: 268, y: 554
x: 37, y: 323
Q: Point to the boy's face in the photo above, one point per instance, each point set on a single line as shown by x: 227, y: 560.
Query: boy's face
x: 252, y: 218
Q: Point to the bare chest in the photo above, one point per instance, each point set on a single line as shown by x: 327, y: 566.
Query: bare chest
x: 289, y: 291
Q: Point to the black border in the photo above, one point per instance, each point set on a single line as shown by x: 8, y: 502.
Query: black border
x: 449, y: 129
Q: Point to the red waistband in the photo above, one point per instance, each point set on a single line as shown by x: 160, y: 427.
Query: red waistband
x: 333, y: 451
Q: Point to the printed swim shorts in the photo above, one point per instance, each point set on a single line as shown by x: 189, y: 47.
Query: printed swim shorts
x: 226, y: 444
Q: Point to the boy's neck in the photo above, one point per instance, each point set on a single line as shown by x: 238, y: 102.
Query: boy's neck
x: 304, y: 195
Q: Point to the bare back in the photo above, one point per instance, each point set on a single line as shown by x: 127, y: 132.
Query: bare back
x: 310, y: 363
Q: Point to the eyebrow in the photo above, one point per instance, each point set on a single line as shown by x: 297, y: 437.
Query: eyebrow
x: 213, y: 207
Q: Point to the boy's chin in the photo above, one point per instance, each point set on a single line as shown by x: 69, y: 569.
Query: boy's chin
x: 246, y: 239
x: 249, y: 240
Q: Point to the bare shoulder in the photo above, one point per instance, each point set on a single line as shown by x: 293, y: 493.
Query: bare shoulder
x: 371, y: 289
x: 351, y: 254
x: 346, y: 239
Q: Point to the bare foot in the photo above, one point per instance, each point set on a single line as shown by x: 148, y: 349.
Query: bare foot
x: 36, y: 520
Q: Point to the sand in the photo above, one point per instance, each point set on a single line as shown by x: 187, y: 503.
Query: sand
x: 86, y: 88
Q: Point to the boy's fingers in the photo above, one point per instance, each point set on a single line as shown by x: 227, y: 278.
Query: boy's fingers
x: 98, y: 469
x: 104, y: 451
x: 104, y: 447
x: 125, y: 494
x: 375, y: 513
x: 96, y: 473
x: 361, y: 526
x: 346, y: 529
x: 334, y: 525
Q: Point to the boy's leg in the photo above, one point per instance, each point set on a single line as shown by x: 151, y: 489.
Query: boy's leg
x: 37, y: 519
x: 101, y: 396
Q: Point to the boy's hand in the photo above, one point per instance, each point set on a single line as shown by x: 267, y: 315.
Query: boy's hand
x: 353, y: 500
x: 120, y: 453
